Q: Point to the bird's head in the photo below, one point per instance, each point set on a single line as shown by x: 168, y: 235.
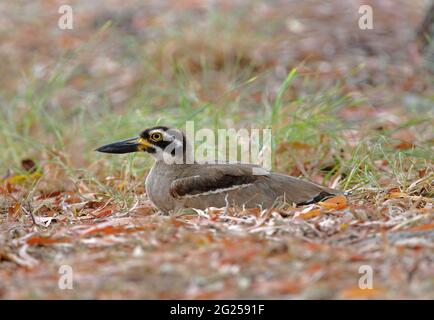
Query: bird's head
x: 163, y: 143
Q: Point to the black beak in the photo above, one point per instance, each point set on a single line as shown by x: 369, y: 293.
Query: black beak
x: 126, y: 146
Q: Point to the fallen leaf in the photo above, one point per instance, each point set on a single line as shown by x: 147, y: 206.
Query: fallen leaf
x: 358, y: 293
x: 102, y: 214
x: 178, y: 223
x: 147, y: 208
x: 37, y: 240
x: 14, y: 210
x: 112, y: 230
x: 29, y: 165
x: 279, y: 286
x: 395, y: 195
x: 309, y: 214
x: 338, y: 203
x: 424, y: 227
x: 404, y: 145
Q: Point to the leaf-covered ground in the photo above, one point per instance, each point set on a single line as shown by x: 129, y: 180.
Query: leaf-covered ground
x: 313, y: 252
x: 358, y: 116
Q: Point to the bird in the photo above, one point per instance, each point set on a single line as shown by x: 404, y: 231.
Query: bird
x: 176, y: 181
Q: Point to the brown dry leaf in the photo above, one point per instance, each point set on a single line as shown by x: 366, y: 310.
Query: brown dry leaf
x: 309, y: 214
x: 98, y: 205
x: 10, y: 188
x: 214, y: 213
x: 280, y: 286
x: 395, y: 195
x: 283, y: 146
x: 422, y: 172
x: 105, y: 230
x: 316, y: 267
x: 112, y: 230
x: 144, y: 210
x: 14, y: 210
x: 37, y: 240
x: 299, y: 145
x: 424, y: 227
x: 102, y: 214
x: 3, y: 190
x: 28, y: 165
x: 404, y: 145
x: 337, y: 203
x: 178, y: 223
x: 104, y: 211
x: 47, y: 195
x: 358, y: 293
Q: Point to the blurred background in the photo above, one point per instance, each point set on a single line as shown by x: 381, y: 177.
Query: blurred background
x: 129, y: 64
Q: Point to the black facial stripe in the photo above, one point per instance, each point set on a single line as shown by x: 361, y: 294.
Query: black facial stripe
x: 151, y: 150
x: 163, y: 144
x: 172, y: 147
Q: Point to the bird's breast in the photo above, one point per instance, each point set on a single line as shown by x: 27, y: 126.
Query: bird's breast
x: 157, y: 185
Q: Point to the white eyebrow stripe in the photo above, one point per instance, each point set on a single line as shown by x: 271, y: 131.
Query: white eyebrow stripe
x: 156, y: 130
x: 167, y: 136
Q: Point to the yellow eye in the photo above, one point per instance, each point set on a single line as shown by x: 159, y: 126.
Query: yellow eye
x: 156, y: 136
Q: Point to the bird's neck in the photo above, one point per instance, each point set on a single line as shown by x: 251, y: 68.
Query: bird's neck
x: 184, y: 155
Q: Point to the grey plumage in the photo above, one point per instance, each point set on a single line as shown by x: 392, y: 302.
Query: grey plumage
x: 173, y: 183
x: 175, y: 186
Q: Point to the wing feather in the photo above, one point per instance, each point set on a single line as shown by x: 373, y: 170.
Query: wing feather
x: 213, y: 179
